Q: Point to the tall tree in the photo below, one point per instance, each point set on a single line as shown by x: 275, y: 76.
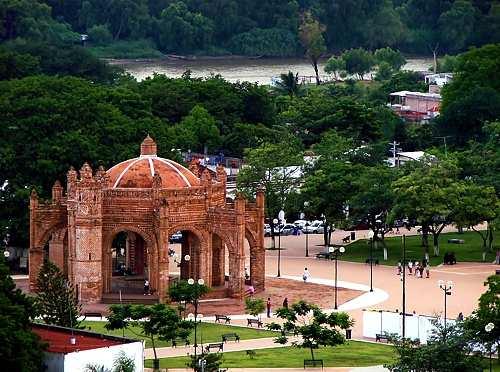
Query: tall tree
x: 311, y: 37
x: 20, y: 349
x: 447, y: 349
x: 477, y: 204
x: 277, y: 169
x: 427, y: 195
x: 156, y: 322
x: 56, y: 298
x: 315, y: 327
x: 373, y: 200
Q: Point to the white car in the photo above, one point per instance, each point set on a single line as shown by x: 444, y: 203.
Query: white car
x: 301, y: 223
x: 288, y: 229
x: 316, y: 227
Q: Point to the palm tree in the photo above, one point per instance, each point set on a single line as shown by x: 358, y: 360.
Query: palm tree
x: 289, y: 84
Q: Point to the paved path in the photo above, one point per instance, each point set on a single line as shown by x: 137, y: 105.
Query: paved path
x: 254, y: 344
x: 327, y: 369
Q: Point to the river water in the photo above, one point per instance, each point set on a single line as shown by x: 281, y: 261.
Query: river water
x: 245, y: 69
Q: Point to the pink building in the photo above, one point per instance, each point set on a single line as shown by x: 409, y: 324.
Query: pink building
x: 415, y: 106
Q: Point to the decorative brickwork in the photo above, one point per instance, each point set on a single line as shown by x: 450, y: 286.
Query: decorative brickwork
x: 151, y: 197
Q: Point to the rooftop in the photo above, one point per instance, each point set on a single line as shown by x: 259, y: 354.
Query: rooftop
x: 58, y: 339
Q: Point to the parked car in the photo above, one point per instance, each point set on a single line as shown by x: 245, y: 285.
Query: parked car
x: 288, y: 229
x: 267, y: 230
x: 301, y: 223
x: 176, y: 238
x: 316, y: 227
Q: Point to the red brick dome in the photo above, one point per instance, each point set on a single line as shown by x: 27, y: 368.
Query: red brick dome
x: 139, y: 172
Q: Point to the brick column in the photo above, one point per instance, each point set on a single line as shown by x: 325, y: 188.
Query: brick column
x: 218, y: 261
x: 35, y: 263
x: 237, y: 254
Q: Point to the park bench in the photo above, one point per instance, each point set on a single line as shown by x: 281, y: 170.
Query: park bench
x: 456, y: 241
x: 380, y: 337
x: 92, y: 314
x: 347, y: 239
x: 180, y: 340
x: 225, y: 318
x: 215, y: 345
x: 313, y: 363
x: 374, y: 260
x: 227, y: 336
x: 250, y: 322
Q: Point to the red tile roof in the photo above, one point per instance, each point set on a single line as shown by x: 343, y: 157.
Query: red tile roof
x: 58, y: 339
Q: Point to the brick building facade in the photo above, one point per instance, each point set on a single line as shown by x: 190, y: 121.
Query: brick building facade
x: 149, y: 198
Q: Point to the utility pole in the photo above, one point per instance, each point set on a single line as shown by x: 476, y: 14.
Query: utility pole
x: 444, y: 142
x: 404, y: 286
x: 394, y: 145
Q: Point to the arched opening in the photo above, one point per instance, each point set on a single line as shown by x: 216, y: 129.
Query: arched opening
x: 129, y: 263
x: 55, y: 250
x: 220, y: 262
x: 185, y: 250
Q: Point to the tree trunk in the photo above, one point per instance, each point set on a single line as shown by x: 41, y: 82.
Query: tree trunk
x: 435, y: 239
x: 491, y: 238
x: 312, y: 354
x: 425, y: 240
x: 434, y: 56
x: 315, y: 66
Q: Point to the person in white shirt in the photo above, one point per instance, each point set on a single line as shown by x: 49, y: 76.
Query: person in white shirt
x: 306, y: 275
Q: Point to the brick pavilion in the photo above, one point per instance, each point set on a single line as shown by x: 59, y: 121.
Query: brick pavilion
x: 115, y: 225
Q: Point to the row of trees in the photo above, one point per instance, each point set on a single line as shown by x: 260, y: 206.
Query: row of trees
x: 255, y: 28
x: 350, y: 183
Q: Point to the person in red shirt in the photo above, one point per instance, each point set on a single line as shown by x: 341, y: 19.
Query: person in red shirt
x: 269, y: 307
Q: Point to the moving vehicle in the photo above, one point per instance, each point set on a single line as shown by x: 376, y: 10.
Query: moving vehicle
x: 176, y: 238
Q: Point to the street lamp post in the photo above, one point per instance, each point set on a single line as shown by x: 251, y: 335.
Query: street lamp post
x: 200, y: 282
x: 488, y: 328
x: 446, y: 288
x: 306, y: 204
x: 370, y: 235
x: 275, y: 223
x: 335, y: 253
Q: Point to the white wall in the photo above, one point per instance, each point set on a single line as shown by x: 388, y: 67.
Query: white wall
x: 77, y: 361
x: 380, y: 322
x: 54, y: 361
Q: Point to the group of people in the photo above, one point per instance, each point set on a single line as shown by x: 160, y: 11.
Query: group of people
x: 268, y: 305
x: 416, y: 268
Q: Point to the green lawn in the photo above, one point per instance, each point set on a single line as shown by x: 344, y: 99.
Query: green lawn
x: 352, y: 354
x: 208, y: 332
x: 470, y: 251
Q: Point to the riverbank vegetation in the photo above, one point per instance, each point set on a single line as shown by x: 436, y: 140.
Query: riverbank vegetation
x: 61, y: 107
x: 254, y: 28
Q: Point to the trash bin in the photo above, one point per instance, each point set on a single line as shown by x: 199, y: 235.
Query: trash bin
x: 348, y: 334
x: 353, y: 235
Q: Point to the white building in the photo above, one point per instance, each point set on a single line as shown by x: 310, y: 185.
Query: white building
x: 72, y: 350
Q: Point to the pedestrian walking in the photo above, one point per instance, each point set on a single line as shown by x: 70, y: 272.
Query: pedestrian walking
x: 247, y: 275
x: 421, y: 268
x: 410, y: 267
x: 146, y: 287
x: 428, y: 270
x: 417, y: 269
x: 268, y: 305
x: 285, y: 303
x: 400, y: 268
x: 305, y: 275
